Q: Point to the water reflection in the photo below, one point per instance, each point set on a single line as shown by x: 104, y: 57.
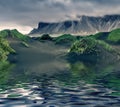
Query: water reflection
x: 83, y: 84
x: 106, y: 74
x: 51, y: 93
x: 5, y: 71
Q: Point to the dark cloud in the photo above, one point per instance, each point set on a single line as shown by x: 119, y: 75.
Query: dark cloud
x: 98, y: 1
x: 27, y: 13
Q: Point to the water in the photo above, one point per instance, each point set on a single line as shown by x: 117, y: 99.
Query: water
x: 78, y: 84
x: 51, y: 93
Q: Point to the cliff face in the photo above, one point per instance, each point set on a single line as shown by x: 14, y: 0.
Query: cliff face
x: 85, y: 25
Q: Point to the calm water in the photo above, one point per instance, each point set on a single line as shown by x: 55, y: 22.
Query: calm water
x: 80, y: 85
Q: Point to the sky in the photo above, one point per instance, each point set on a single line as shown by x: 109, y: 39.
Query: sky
x: 25, y: 15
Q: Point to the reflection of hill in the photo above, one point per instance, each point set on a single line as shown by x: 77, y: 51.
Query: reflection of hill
x: 106, y: 74
x: 92, y: 60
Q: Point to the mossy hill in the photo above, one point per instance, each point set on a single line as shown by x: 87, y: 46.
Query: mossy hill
x: 100, y: 36
x: 44, y: 37
x: 13, y: 34
x: 5, y: 49
x: 67, y: 39
x: 90, y: 49
x: 112, y: 37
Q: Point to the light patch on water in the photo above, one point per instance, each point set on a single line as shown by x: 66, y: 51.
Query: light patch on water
x: 52, y: 93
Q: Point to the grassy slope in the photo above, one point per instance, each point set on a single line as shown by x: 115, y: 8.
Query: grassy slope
x: 89, y: 46
x: 110, y: 37
x: 100, y: 36
x: 5, y: 49
x: 104, y: 45
x: 114, y: 36
x: 14, y: 34
x: 65, y: 39
x: 92, y: 50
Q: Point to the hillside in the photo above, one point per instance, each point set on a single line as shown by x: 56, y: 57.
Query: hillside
x: 45, y: 37
x: 89, y: 49
x: 13, y: 34
x: 114, y: 36
x: 5, y: 49
x: 66, y: 39
x: 90, y: 59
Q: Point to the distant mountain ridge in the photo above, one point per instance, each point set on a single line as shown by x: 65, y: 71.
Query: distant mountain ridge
x: 84, y: 25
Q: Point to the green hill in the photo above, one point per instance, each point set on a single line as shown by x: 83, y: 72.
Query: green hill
x: 114, y: 36
x: 90, y: 49
x: 44, y: 37
x: 14, y: 34
x: 100, y: 36
x: 5, y: 49
x: 65, y: 39
x: 110, y: 37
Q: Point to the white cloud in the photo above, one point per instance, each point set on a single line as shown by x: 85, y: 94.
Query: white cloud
x: 22, y: 29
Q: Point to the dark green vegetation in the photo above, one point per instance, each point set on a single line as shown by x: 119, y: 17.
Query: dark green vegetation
x: 5, y: 49
x: 112, y: 37
x: 13, y: 34
x: 100, y: 36
x: 6, y: 36
x: 112, y: 80
x: 5, y: 71
x: 89, y: 49
x: 95, y: 59
x: 44, y: 37
x: 99, y: 46
x: 106, y: 74
x: 89, y: 46
x: 65, y: 39
x: 94, y: 56
x: 5, y: 66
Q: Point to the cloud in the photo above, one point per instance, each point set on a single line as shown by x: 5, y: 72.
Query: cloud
x: 27, y: 13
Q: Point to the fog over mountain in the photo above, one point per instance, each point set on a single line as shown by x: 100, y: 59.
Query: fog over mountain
x: 83, y: 25
x: 24, y: 15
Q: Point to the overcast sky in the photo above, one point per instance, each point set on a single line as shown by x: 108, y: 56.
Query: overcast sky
x: 25, y: 14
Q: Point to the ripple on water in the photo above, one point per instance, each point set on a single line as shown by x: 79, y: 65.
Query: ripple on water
x: 54, y: 95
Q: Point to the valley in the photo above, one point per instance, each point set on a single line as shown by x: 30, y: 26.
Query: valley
x: 86, y: 65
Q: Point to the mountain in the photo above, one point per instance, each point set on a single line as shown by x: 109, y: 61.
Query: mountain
x: 13, y: 34
x: 84, y: 25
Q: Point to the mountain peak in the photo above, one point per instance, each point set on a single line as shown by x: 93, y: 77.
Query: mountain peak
x: 86, y: 25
